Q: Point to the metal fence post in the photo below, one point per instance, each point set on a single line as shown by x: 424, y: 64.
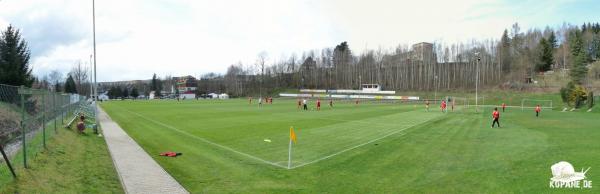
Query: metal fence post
x: 62, y: 116
x: 54, y: 115
x: 24, y: 133
x: 7, y: 162
x: 44, y: 119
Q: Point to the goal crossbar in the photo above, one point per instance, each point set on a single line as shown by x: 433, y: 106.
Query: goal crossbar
x: 545, y: 104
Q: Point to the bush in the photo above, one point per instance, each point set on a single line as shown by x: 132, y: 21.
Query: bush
x: 575, y: 95
x: 564, y: 95
x: 578, y: 96
x: 590, y: 99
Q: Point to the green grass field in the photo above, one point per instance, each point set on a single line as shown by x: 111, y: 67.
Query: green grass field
x: 369, y: 148
x: 72, y: 163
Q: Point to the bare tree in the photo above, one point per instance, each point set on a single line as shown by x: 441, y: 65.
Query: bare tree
x: 80, y: 75
x: 55, y: 77
x: 262, y: 58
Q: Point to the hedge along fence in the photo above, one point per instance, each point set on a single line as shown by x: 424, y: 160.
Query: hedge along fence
x: 28, y: 118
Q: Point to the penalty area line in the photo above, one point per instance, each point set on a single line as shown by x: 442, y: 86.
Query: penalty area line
x: 207, y: 141
x: 362, y: 144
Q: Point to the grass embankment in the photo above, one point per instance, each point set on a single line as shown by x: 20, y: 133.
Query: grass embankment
x: 72, y: 163
x: 451, y: 153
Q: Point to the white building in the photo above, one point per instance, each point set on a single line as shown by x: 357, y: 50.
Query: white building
x: 187, y: 95
x: 371, y: 88
x: 223, y: 96
x: 151, y: 95
x: 213, y: 95
x: 103, y: 97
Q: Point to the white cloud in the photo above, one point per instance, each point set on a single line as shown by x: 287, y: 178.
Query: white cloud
x: 136, y: 38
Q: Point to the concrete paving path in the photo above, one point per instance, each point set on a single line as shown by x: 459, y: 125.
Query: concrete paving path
x: 139, y: 173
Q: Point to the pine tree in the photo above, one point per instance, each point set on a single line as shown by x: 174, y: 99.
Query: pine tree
x: 117, y: 92
x: 156, y: 85
x: 576, y: 42
x: 14, y: 59
x: 134, y: 93
x: 125, y: 93
x: 111, y: 92
x: 579, y: 69
x: 595, y: 47
x: 546, y: 58
x: 57, y: 87
x: 505, y: 49
x: 70, y: 86
x: 552, y: 40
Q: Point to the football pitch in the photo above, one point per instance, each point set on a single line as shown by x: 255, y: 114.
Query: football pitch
x: 232, y: 146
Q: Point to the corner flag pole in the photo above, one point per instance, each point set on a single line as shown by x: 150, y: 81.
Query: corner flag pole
x: 290, y: 155
x: 292, y: 139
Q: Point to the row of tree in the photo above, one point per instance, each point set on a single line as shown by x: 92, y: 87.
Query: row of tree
x: 117, y: 92
x: 516, y: 58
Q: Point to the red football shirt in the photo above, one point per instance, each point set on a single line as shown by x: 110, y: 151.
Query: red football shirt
x: 496, y: 114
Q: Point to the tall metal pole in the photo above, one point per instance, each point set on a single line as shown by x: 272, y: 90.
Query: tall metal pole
x: 477, y: 83
x: 91, y: 77
x: 359, y: 82
x: 290, y: 155
x: 24, y: 133
x: 95, y: 98
x: 436, y: 87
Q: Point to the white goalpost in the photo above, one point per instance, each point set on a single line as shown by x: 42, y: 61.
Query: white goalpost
x: 456, y: 103
x: 476, y: 102
x: 532, y: 103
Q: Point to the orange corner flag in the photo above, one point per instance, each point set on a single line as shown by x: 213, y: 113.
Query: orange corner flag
x: 292, y: 135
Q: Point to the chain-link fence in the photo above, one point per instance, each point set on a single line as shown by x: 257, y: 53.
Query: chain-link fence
x: 28, y: 118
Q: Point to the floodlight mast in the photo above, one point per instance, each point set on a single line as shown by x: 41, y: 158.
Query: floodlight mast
x: 477, y: 82
x: 95, y: 97
x: 435, y: 81
x: 91, y: 77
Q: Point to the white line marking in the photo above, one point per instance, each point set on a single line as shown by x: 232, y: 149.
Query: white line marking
x: 207, y: 141
x: 273, y: 163
x: 359, y: 145
x: 354, y: 121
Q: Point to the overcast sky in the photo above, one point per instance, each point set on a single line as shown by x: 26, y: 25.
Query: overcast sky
x: 136, y: 38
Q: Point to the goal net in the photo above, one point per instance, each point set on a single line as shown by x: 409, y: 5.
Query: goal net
x: 475, y: 104
x: 532, y: 103
x: 456, y: 103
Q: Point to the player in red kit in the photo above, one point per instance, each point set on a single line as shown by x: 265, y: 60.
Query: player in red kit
x: 503, y: 106
x: 443, y: 105
x: 496, y: 116
x: 318, y: 104
x: 538, y: 109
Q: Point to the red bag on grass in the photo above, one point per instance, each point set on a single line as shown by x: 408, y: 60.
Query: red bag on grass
x: 170, y: 154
